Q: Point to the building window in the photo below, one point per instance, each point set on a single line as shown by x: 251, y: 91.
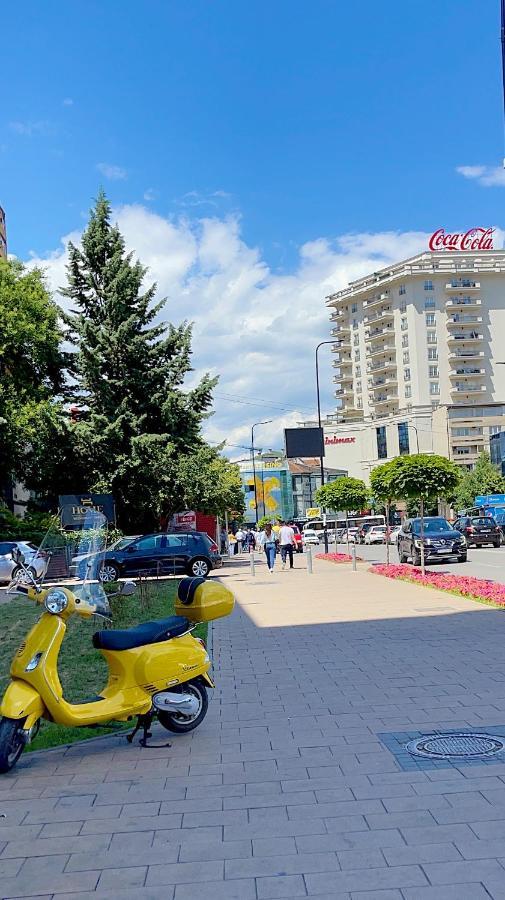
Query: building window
x: 402, y: 290
x: 495, y: 429
x: 432, y: 353
x: 355, y: 340
x: 355, y: 324
x: 428, y: 285
x: 433, y: 371
x: 429, y: 303
x: 430, y: 318
x: 408, y: 390
x: 356, y: 355
x: 359, y: 403
x: 431, y: 337
x: 406, y: 357
x: 403, y: 306
x: 358, y: 387
x: 406, y: 374
x: 403, y: 438
x: 382, y: 446
x: 404, y: 324
x: 358, y: 371
x: 354, y: 308
x: 405, y: 340
x: 434, y: 387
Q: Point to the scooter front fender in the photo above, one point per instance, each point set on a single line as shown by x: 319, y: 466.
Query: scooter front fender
x: 21, y: 701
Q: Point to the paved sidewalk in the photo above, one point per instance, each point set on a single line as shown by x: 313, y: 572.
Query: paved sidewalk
x: 287, y: 790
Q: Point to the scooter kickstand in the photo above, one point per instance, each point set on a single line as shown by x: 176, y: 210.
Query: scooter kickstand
x: 145, y: 723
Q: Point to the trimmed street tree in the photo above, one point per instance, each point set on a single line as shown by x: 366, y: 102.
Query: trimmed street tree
x: 210, y: 483
x: 485, y: 478
x: 137, y: 422
x: 384, y: 485
x: 423, y: 477
x: 343, y: 495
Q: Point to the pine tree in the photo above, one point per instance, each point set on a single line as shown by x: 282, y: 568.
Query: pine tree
x: 137, y: 420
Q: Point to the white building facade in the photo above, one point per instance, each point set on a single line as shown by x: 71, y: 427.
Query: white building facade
x: 418, y: 348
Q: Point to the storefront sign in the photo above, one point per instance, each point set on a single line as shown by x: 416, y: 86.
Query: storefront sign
x: 474, y: 239
x: 313, y: 513
x: 184, y: 521
x: 75, y: 508
x: 339, y: 440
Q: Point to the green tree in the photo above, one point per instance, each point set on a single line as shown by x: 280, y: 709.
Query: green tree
x: 384, y: 485
x: 268, y: 520
x: 210, y: 483
x: 343, y: 495
x: 31, y: 367
x: 137, y: 420
x: 424, y: 477
x: 485, y: 478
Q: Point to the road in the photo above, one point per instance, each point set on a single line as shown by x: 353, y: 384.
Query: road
x: 483, y: 562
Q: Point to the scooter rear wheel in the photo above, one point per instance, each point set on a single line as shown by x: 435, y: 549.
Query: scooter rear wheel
x: 177, y: 722
x: 11, y: 743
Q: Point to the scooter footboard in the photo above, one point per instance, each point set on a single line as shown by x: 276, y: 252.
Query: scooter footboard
x: 21, y: 701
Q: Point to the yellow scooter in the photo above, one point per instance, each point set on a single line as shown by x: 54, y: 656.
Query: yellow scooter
x: 157, y: 669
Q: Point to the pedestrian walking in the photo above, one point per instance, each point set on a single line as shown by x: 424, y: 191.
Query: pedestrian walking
x: 250, y: 540
x: 232, y: 544
x: 269, y: 544
x: 287, y: 540
x: 240, y: 535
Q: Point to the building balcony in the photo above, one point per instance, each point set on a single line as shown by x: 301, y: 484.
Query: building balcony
x: 382, y: 400
x: 467, y: 355
x: 343, y: 379
x: 382, y: 297
x: 375, y: 334
x: 343, y: 362
x: 471, y: 337
x: 461, y: 285
x: 383, y: 365
x: 351, y: 412
x: 458, y: 320
x: 338, y: 314
x: 468, y: 372
x: 468, y: 389
x: 475, y: 438
x: 345, y: 392
x: 386, y: 380
x: 463, y: 303
x: 378, y: 350
x: 381, y: 316
x: 344, y: 338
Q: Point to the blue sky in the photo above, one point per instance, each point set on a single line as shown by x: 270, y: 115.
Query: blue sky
x: 290, y: 123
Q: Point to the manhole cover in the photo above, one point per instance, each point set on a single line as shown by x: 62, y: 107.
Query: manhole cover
x: 455, y: 746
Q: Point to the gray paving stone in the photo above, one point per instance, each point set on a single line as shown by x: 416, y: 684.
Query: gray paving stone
x: 181, y: 873
x: 464, y: 871
x: 400, y: 877
x: 358, y: 840
x: 281, y: 886
x: 360, y: 859
x: 190, y: 852
x: 22, y: 885
x: 274, y: 846
x: 54, y: 846
x: 470, y: 891
x: 403, y: 856
x: 117, y: 879
x: 241, y: 889
x: 439, y: 833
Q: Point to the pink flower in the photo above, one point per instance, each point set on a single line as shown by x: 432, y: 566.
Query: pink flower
x: 335, y: 557
x: 465, y: 585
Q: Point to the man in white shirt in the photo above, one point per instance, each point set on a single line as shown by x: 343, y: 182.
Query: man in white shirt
x: 240, y: 540
x: 287, y: 539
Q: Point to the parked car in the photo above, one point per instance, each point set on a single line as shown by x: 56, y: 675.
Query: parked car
x: 441, y: 541
x: 177, y: 553
x: 479, y: 530
x: 310, y: 536
x: 393, y: 534
x: 351, y: 535
x: 36, y: 564
x: 362, y: 531
x: 376, y: 535
x: 298, y: 539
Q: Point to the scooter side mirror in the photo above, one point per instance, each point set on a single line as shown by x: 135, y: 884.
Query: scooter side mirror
x: 18, y: 555
x: 127, y: 589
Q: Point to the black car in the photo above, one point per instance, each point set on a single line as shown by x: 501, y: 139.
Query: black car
x: 441, y: 541
x: 479, y: 530
x: 178, y: 553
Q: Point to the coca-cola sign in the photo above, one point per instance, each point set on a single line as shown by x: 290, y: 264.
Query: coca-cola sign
x: 474, y: 239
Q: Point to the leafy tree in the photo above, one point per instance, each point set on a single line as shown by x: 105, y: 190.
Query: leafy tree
x: 137, y: 421
x: 485, y: 478
x: 268, y: 520
x: 384, y: 484
x: 31, y: 365
x: 422, y: 477
x: 210, y: 483
x: 343, y: 495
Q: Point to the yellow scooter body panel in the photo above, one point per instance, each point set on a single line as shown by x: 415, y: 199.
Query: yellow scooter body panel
x: 134, y: 675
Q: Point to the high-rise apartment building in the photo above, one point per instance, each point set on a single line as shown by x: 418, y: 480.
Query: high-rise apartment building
x: 3, y: 234
x: 418, y: 348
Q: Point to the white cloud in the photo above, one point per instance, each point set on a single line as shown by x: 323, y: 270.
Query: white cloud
x: 29, y: 129
x: 67, y: 101
x: 487, y: 176
x: 254, y: 328
x: 149, y: 194
x: 114, y: 173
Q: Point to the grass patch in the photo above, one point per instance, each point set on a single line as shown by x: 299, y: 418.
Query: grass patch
x: 82, y: 669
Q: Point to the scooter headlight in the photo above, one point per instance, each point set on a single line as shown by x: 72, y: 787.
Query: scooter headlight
x: 56, y: 601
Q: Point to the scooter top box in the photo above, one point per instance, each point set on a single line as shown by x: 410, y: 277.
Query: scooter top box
x: 202, y: 600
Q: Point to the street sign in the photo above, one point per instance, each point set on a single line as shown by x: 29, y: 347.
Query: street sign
x: 313, y: 513
x: 490, y: 500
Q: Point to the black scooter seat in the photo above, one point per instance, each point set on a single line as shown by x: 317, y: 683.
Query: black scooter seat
x: 147, y: 633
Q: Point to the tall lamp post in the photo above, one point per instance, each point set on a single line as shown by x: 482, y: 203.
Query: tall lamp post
x: 256, y: 424
x: 321, y: 458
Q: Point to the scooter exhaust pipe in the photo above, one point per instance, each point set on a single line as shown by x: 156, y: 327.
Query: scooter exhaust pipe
x: 166, y: 701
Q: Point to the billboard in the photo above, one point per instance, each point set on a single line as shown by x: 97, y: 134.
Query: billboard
x: 74, y: 508
x: 268, y: 494
x: 304, y: 442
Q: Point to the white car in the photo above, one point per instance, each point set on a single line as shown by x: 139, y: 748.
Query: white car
x: 350, y: 536
x: 376, y: 535
x: 310, y: 536
x: 393, y: 534
x: 36, y: 564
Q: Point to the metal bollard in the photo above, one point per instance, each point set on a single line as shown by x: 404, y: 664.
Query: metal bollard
x: 354, y: 556
x: 308, y: 553
x: 252, y: 563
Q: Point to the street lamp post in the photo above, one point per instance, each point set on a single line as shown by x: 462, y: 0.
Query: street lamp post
x: 321, y: 458
x: 256, y: 424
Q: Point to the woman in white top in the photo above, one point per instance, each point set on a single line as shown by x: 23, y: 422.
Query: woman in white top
x: 267, y: 540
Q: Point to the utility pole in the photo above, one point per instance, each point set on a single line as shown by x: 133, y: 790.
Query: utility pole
x: 321, y: 458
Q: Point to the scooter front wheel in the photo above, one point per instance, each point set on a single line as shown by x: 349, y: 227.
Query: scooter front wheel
x: 11, y: 743
x: 178, y: 723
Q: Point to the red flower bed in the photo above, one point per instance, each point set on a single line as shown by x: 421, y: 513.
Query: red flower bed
x: 336, y: 557
x: 466, y: 586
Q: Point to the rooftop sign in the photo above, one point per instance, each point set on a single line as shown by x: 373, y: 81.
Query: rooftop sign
x: 474, y: 239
